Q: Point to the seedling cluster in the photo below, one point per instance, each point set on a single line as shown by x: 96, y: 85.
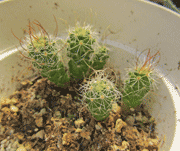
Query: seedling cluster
x: 77, y: 57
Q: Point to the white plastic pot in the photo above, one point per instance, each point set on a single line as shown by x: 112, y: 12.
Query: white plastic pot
x: 134, y: 26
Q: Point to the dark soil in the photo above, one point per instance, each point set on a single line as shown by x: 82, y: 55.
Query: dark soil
x: 51, y: 118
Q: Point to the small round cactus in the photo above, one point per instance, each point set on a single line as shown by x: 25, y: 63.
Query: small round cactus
x: 83, y: 45
x: 139, y: 82
x: 100, y: 93
x: 46, y: 55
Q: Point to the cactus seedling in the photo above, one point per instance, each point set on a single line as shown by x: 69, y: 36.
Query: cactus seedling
x: 45, y: 55
x: 139, y: 82
x: 99, y: 93
x: 83, y: 45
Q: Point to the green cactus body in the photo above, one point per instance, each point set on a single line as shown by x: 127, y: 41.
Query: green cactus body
x: 100, y: 93
x: 136, y: 87
x: 100, y: 59
x: 46, y: 59
x: 138, y: 84
x: 83, y: 46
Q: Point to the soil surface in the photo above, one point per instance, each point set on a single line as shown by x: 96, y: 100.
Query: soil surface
x: 41, y: 116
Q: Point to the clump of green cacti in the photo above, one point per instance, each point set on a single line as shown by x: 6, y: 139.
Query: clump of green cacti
x: 76, y: 57
x: 139, y: 82
x: 100, y: 93
x: 83, y: 46
x: 62, y: 61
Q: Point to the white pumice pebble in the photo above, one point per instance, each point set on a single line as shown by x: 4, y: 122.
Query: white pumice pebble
x: 14, y: 108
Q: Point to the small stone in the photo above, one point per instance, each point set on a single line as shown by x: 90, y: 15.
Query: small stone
x: 132, y: 109
x: 124, y: 145
x: 7, y: 143
x: 116, y: 108
x: 39, y: 121
x: 97, y: 127
x: 119, y: 125
x: 153, y: 142
x: 33, y: 136
x: 144, y: 119
x: 150, y: 143
x: 2, y: 129
x: 11, y: 131
x: 2, y: 149
x: 57, y: 114
x: 78, y: 130
x: 1, y: 116
x: 16, y: 92
x: 52, y: 136
x: 4, y: 141
x: 15, y: 114
x: 14, y: 108
x: 9, y: 147
x: 39, y: 134
x: 79, y: 122
x: 5, y: 101
x: 14, y: 100
x: 85, y: 135
x: 16, y: 139
x: 28, y: 146
x: 20, y: 136
x: 36, y: 129
x: 2, y: 145
x: 130, y: 120
x: 35, y: 114
x: 24, y: 83
x: 43, y: 111
x: 30, y: 131
x: 22, y: 148
x: 66, y: 138
x: 139, y: 117
x: 42, y: 103
x: 15, y: 144
x: 6, y: 110
x: 115, y: 147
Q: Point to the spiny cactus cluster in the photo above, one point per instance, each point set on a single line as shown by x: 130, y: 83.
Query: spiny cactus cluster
x: 139, y: 82
x: 62, y: 61
x: 99, y: 92
x: 75, y: 58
